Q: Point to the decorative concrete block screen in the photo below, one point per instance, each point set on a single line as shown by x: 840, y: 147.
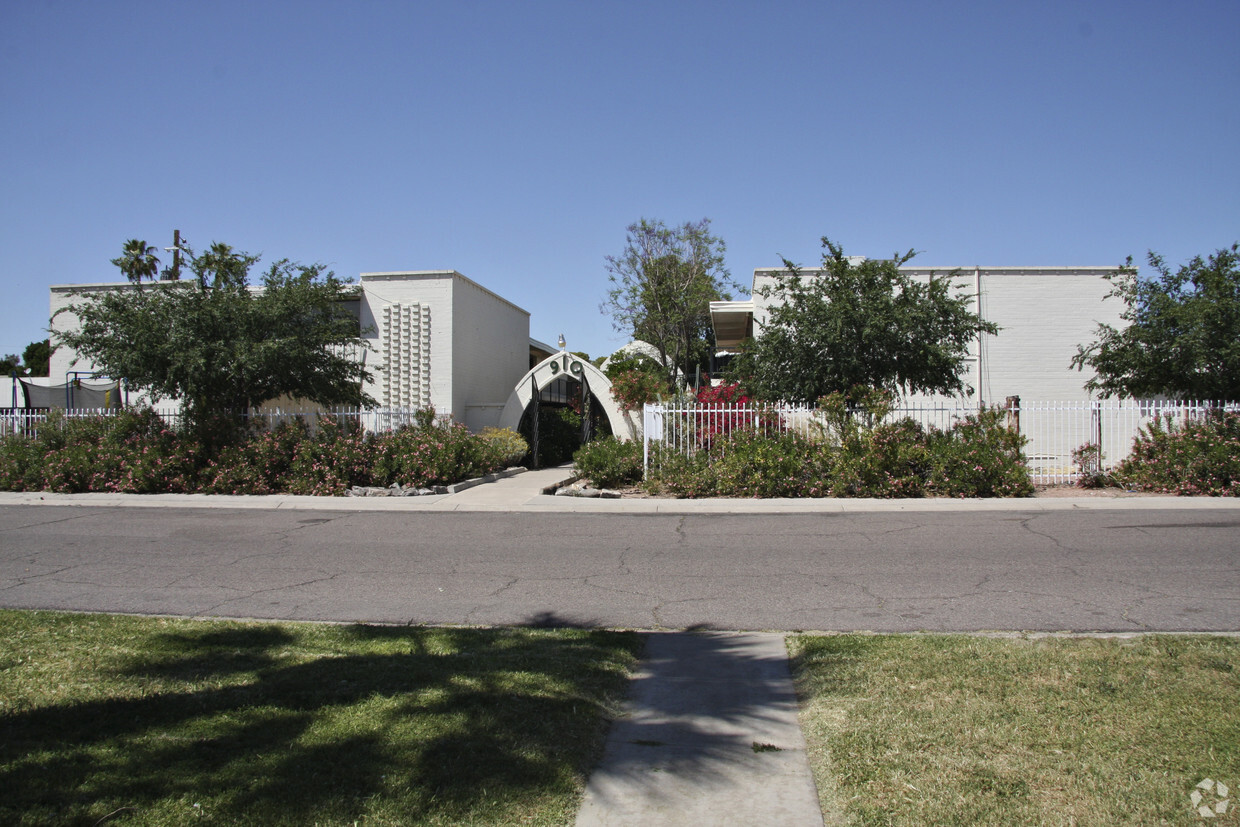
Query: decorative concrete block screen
x: 406, y: 342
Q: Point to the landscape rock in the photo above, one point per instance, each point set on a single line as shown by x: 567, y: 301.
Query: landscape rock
x: 580, y: 490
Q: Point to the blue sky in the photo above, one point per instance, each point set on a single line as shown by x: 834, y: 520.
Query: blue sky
x: 514, y: 142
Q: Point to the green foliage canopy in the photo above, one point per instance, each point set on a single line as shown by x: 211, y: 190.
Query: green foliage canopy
x: 859, y: 323
x: 221, y: 347
x: 1183, y: 336
x: 37, y: 358
x: 33, y: 361
x: 661, y: 289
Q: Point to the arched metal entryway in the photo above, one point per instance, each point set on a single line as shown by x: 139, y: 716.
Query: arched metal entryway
x: 564, y: 364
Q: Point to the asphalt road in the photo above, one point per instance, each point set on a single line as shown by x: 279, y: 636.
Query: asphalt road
x: 1136, y: 569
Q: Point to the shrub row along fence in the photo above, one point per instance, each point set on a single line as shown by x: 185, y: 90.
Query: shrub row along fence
x: 1053, y: 430
x: 26, y: 421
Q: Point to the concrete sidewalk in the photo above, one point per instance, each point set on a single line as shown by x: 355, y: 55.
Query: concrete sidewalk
x: 710, y: 735
x: 527, y: 491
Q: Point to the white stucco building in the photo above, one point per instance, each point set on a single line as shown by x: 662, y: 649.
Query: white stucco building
x: 435, y: 338
x: 440, y: 339
x: 1043, y: 314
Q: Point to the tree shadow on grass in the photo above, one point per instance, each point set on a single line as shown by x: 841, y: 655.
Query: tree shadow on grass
x: 278, y: 725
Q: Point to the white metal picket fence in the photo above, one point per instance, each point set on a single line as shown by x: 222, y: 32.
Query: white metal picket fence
x: 1053, y: 429
x: 25, y: 422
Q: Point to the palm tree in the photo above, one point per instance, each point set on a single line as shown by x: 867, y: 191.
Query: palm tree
x: 224, y: 266
x: 138, y: 261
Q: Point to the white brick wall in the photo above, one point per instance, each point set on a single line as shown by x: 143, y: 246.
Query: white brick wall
x: 1044, y: 313
x: 430, y: 291
x: 61, y: 296
x: 490, y: 346
x: 478, y: 342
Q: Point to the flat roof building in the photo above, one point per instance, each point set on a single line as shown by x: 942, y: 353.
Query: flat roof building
x: 1043, y: 314
x: 435, y: 339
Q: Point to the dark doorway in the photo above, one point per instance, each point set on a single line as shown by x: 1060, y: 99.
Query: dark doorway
x: 566, y: 418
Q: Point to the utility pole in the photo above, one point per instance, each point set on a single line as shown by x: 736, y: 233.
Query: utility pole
x: 176, y: 256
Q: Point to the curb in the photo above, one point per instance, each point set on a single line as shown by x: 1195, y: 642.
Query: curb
x: 498, y: 475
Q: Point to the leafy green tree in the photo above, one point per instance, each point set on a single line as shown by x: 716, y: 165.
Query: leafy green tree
x: 37, y: 358
x: 661, y: 289
x: 1183, y: 333
x: 10, y: 364
x: 138, y: 261
x: 222, y: 348
x: 859, y: 323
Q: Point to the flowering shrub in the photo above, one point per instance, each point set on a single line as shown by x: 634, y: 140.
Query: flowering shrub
x: 258, y: 465
x: 509, y: 446
x: 327, y: 465
x: 132, y: 452
x: 755, y: 464
x: 728, y: 393
x: 851, y: 456
x: 725, y: 413
x: 135, y: 452
x: 889, y: 460
x: 1200, y: 456
x: 684, y: 475
x: 431, y: 455
x: 20, y: 464
x: 979, y: 457
x: 869, y: 458
x: 608, y: 462
x: 635, y: 380
x: 1088, y: 461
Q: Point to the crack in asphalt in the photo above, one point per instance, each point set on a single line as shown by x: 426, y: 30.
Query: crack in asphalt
x: 879, y: 602
x: 34, y: 578
x: 585, y: 581
x: 41, y: 523
x: 511, y: 582
x: 891, y: 531
x: 325, y: 578
x: 1127, y: 618
x: 249, y: 595
x: 1025, y: 524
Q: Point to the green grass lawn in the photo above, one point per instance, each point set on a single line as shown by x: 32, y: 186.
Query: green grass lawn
x: 126, y: 720
x: 943, y: 729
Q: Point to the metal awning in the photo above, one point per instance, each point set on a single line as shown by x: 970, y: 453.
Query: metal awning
x: 732, y: 322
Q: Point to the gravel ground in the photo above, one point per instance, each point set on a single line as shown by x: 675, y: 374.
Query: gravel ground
x: 632, y: 492
x: 1073, y: 491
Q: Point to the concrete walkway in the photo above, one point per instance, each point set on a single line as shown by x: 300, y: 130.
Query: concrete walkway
x: 710, y: 736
